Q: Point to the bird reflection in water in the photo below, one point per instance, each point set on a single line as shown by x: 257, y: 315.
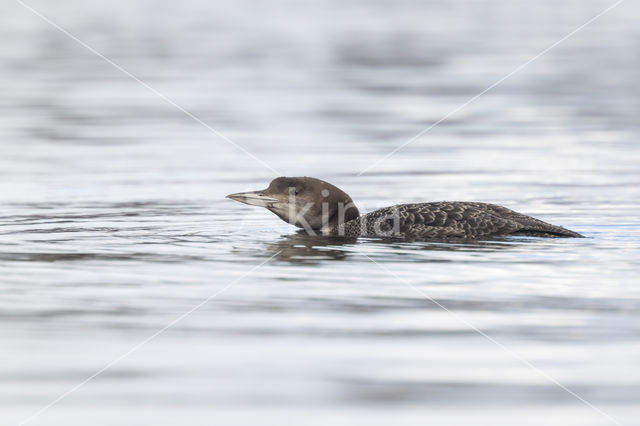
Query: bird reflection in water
x: 306, y: 249
x: 303, y: 248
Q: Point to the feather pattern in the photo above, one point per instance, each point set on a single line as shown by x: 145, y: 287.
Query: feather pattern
x: 448, y: 219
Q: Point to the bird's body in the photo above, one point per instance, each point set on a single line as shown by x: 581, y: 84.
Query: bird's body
x: 449, y: 219
x: 320, y: 207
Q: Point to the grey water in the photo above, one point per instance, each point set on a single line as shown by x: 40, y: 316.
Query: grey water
x: 114, y: 229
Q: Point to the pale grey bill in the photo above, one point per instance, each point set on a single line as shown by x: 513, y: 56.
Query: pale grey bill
x: 254, y: 198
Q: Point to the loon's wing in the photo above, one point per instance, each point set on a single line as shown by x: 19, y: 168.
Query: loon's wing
x: 530, y: 225
x: 454, y: 219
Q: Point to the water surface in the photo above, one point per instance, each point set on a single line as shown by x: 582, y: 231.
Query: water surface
x: 114, y: 223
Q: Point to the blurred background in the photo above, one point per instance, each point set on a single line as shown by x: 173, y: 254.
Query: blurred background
x: 114, y: 223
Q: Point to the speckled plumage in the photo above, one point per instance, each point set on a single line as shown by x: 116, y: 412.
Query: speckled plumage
x: 448, y: 219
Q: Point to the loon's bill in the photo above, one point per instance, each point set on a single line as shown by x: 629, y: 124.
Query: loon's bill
x: 254, y: 198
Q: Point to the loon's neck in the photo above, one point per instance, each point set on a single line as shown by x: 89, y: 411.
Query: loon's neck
x: 336, y: 223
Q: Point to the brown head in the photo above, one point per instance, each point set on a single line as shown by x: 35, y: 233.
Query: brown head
x: 305, y: 202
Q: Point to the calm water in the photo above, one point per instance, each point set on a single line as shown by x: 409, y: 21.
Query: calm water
x: 113, y: 221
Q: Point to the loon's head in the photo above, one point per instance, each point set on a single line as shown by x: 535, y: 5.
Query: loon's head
x: 305, y: 202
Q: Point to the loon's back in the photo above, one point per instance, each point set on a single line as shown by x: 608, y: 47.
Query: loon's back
x: 449, y: 219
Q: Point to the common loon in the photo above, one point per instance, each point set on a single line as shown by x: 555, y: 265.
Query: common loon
x: 319, y: 207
